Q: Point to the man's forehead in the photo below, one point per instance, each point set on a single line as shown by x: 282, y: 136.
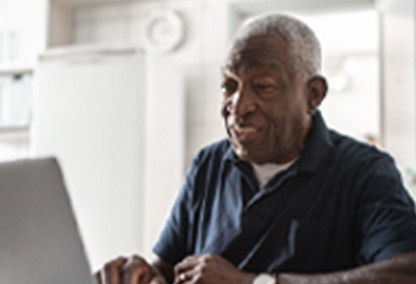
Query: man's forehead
x: 269, y: 68
x: 262, y: 52
x: 258, y: 63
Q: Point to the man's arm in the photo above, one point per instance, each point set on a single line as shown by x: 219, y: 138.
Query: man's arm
x: 399, y: 269
x: 214, y: 269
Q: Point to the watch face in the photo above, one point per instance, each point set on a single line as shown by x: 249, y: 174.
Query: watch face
x: 264, y: 279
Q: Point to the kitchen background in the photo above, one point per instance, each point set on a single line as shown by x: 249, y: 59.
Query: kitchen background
x: 125, y: 93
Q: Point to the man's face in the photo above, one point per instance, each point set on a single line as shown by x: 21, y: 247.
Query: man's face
x: 265, y: 104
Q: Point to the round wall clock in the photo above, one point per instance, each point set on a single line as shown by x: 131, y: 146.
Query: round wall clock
x: 164, y: 31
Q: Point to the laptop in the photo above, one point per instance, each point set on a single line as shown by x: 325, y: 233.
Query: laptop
x: 39, y: 237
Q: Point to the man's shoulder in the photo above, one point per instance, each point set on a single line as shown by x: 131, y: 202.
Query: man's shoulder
x: 209, y: 163
x: 362, y: 169
x: 354, y: 153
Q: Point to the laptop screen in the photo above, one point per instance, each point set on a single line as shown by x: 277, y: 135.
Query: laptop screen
x: 39, y: 238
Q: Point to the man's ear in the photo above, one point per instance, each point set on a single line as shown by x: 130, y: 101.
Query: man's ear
x: 317, y: 88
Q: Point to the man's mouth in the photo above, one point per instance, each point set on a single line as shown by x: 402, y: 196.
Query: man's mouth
x: 244, y: 133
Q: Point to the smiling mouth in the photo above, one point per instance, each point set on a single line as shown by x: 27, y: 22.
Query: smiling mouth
x: 244, y: 133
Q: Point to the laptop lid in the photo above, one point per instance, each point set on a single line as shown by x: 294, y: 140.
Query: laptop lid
x: 39, y: 238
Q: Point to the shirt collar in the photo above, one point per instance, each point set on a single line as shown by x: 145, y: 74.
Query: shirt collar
x: 317, y: 147
x: 229, y: 155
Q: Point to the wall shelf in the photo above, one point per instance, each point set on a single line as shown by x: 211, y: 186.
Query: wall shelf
x: 15, y: 70
x: 90, y: 2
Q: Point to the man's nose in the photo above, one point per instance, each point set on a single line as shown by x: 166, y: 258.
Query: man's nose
x: 243, y: 102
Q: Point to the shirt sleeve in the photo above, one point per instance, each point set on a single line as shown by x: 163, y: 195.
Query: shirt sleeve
x: 174, y: 241
x: 386, y: 218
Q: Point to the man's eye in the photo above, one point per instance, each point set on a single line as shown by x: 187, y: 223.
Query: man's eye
x: 264, y: 87
x: 228, y: 87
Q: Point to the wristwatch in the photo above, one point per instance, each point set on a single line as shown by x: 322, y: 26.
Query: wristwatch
x: 264, y: 278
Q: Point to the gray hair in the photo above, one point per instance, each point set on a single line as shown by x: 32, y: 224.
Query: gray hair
x: 305, y: 49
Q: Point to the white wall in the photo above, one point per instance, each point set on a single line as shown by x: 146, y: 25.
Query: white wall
x: 23, y: 33
x: 23, y: 25
x: 398, y: 80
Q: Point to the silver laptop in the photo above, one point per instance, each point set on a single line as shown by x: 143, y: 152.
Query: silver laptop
x: 39, y: 238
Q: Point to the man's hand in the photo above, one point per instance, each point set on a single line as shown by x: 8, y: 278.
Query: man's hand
x: 208, y: 268
x: 133, y: 270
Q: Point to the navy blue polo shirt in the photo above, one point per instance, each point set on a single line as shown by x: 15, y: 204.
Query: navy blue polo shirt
x: 341, y: 205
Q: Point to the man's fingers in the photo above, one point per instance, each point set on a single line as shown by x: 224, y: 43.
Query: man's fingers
x: 187, y: 264
x: 136, y: 270
x: 110, y: 274
x: 97, y: 276
x: 184, y: 277
x: 189, y: 270
x: 157, y: 280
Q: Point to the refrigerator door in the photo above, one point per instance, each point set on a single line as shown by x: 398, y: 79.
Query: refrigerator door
x: 88, y: 113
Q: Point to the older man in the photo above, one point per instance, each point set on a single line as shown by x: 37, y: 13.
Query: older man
x: 284, y: 199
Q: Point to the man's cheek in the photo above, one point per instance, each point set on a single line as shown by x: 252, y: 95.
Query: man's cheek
x: 224, y: 109
x: 227, y: 128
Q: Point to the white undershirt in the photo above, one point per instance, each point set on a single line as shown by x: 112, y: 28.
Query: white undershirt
x: 266, y: 172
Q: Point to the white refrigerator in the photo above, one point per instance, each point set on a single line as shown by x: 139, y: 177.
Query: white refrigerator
x: 88, y: 112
